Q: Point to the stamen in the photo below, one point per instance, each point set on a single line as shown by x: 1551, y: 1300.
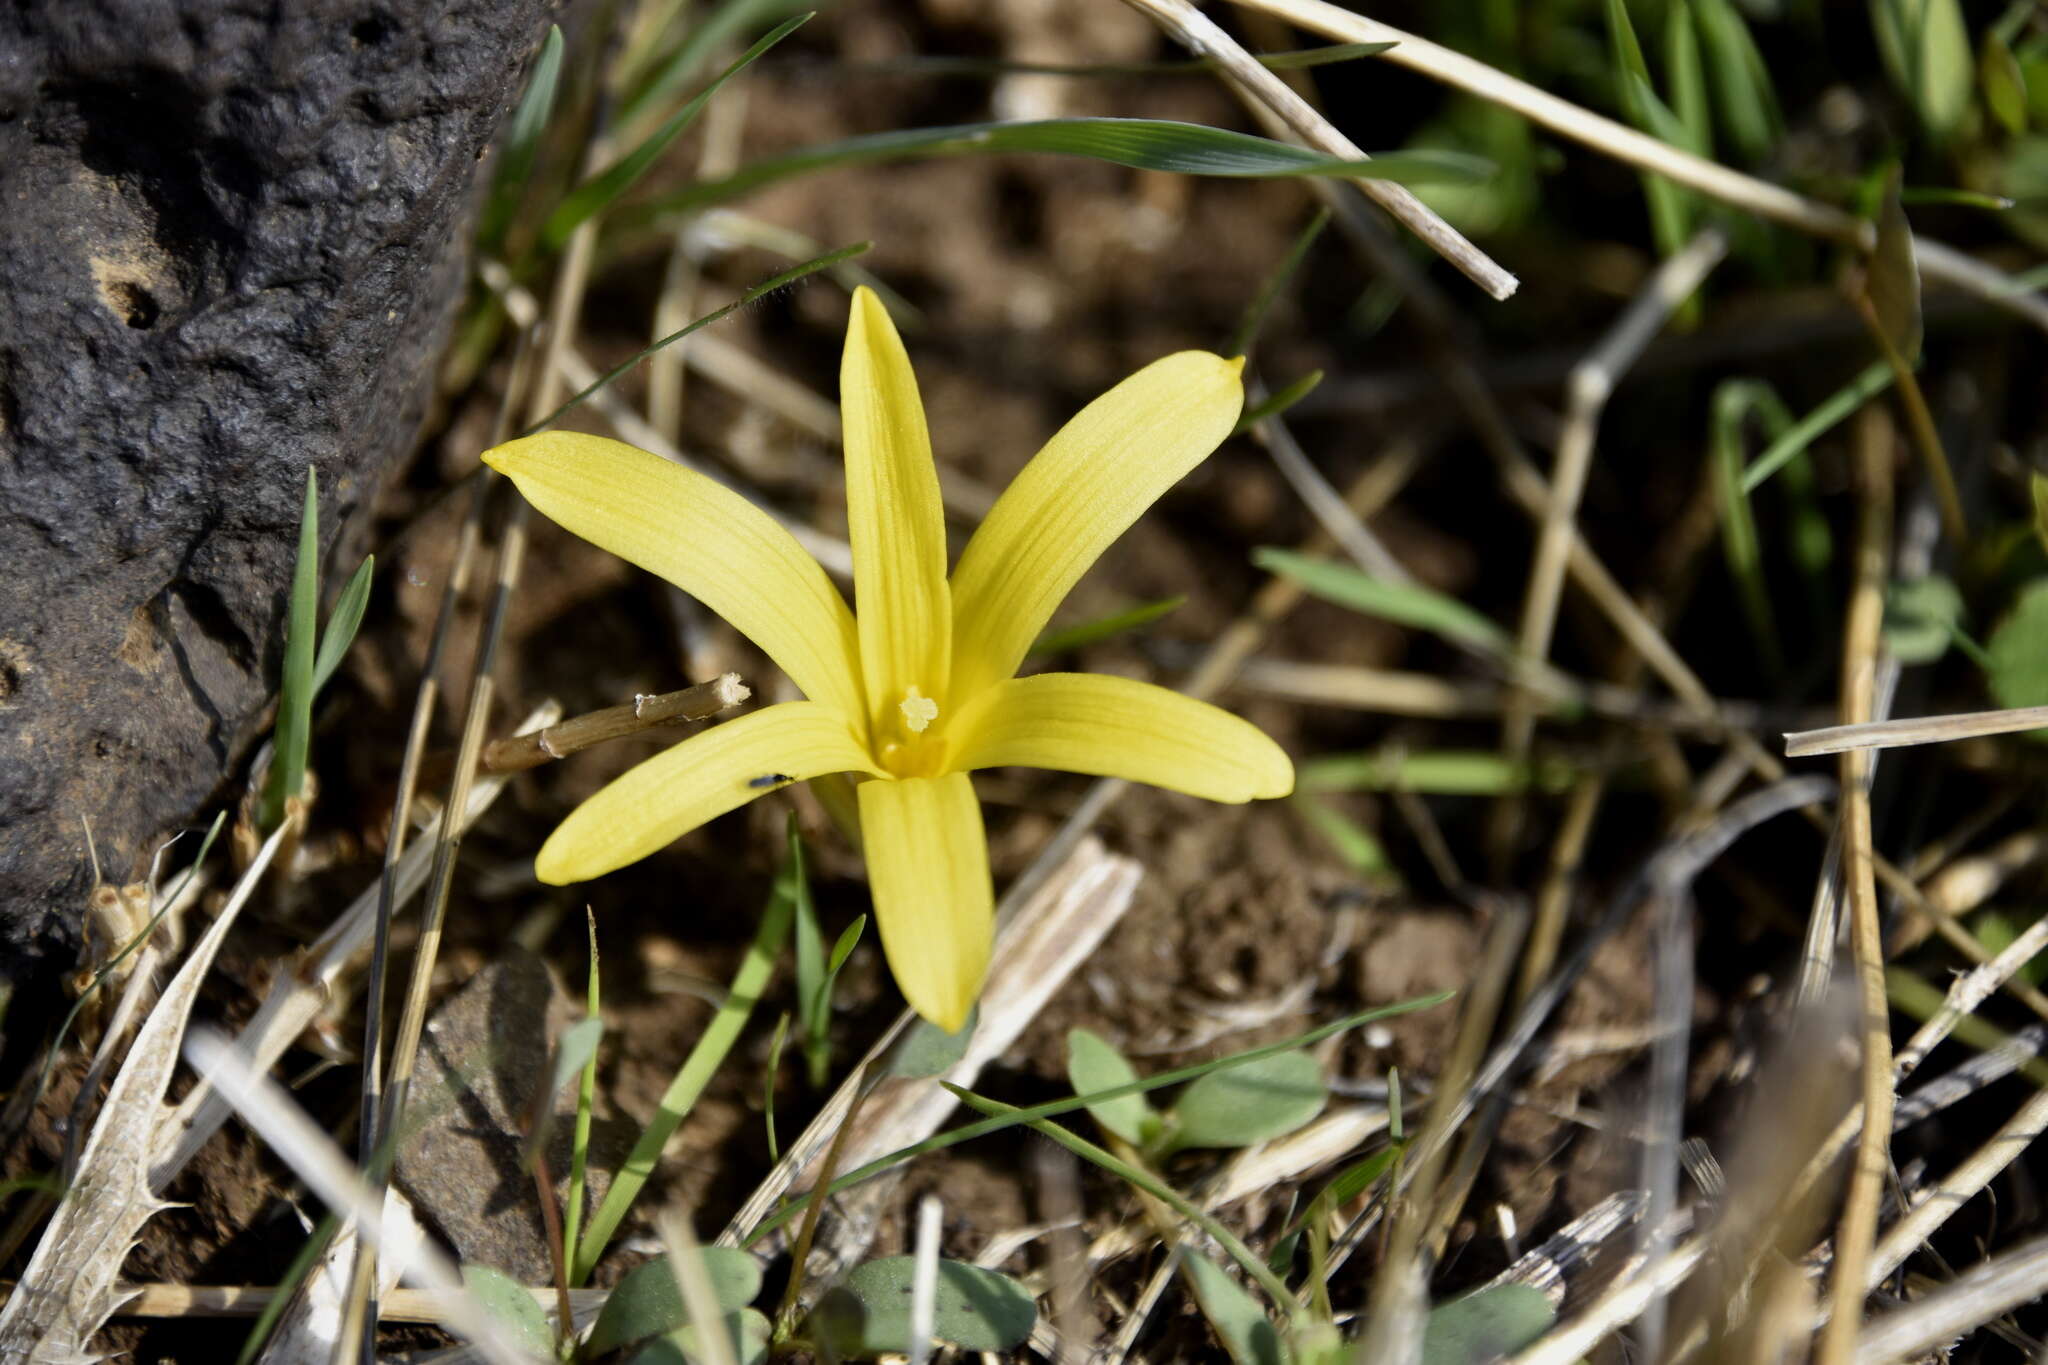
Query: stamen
x: 918, y: 710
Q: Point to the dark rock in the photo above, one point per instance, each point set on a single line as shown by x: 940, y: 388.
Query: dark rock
x: 231, y: 244
x: 462, y: 1161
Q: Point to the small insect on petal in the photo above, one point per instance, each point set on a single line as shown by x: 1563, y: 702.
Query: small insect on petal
x: 767, y: 780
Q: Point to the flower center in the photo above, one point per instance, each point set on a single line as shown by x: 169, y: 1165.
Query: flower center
x: 911, y: 745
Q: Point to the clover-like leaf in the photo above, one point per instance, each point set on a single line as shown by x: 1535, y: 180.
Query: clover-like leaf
x: 1241, y: 1105
x: 1093, y: 1064
x: 1241, y: 1325
x: 648, y: 1303
x: 747, y: 1330
x: 512, y: 1306
x: 974, y: 1309
x: 1920, y: 618
x: 1485, y: 1325
x: 2017, y: 655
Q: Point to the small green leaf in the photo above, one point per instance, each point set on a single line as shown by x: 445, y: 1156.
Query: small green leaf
x: 2004, y: 83
x: 1250, y: 1103
x: 1142, y: 144
x: 747, y: 1330
x: 601, y: 190
x: 2037, y: 485
x: 975, y: 1309
x: 512, y: 1306
x: 1069, y: 638
x: 930, y: 1050
x: 1486, y: 1325
x: 1093, y: 1064
x: 293, y: 735
x: 1920, y: 618
x: 1406, y: 604
x: 522, y: 138
x: 2017, y: 652
x: 1353, y: 842
x: 1894, y: 283
x: 342, y: 624
x: 648, y: 1303
x: 1241, y: 1325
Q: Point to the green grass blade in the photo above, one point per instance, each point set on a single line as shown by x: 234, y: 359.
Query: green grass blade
x: 1745, y: 102
x: 690, y: 1079
x: 705, y: 34
x: 761, y: 290
x: 1247, y: 331
x: 772, y: 1074
x: 603, y: 189
x: 1353, y: 842
x: 1688, y: 78
x: 1794, y: 440
x: 522, y: 138
x: 294, y: 730
x: 1142, y: 144
x: 1670, y: 208
x: 1406, y: 604
x: 1436, y: 772
x: 1143, y: 1180
x: 1054, y: 1108
x: 301, y: 1266
x: 342, y: 623
x: 586, y: 1098
x: 792, y: 881
x: 1068, y: 638
x: 1276, y: 403
x: 1734, y: 402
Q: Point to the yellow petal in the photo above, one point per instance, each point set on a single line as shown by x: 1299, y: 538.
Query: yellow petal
x: 1119, y: 727
x: 704, y: 538
x: 893, y: 519
x: 706, y: 775
x: 928, y: 869
x: 1079, y: 493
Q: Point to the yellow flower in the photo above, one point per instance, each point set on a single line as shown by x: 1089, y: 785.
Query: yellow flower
x: 920, y: 688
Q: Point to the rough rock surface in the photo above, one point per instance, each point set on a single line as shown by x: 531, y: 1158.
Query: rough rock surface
x: 231, y: 243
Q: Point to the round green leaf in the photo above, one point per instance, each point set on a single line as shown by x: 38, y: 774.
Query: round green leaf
x: 1241, y: 1105
x: 648, y: 1303
x: 512, y: 1306
x: 1485, y: 1325
x: 1094, y: 1064
x: 747, y: 1330
x: 2017, y: 661
x: 1920, y: 617
x: 974, y: 1309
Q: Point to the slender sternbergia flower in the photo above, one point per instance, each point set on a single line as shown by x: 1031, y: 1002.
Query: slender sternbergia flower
x: 919, y: 688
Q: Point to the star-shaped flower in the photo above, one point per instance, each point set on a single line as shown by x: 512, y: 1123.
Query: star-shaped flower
x: 920, y: 688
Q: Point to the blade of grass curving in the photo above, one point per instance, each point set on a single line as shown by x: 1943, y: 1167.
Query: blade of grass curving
x: 1142, y: 144
x: 1254, y: 318
x: 817, y: 1049
x: 586, y: 1095
x: 1686, y: 77
x: 1295, y: 59
x: 599, y: 192
x: 522, y: 140
x: 1276, y: 403
x: 342, y: 623
x: 706, y: 33
x: 1745, y: 102
x: 690, y: 1079
x: 1733, y: 404
x: 1793, y: 441
x: 1141, y: 1179
x: 757, y: 292
x: 1053, y: 1108
x: 1068, y: 638
x: 1406, y: 604
x: 769, y: 1076
x: 295, y: 693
